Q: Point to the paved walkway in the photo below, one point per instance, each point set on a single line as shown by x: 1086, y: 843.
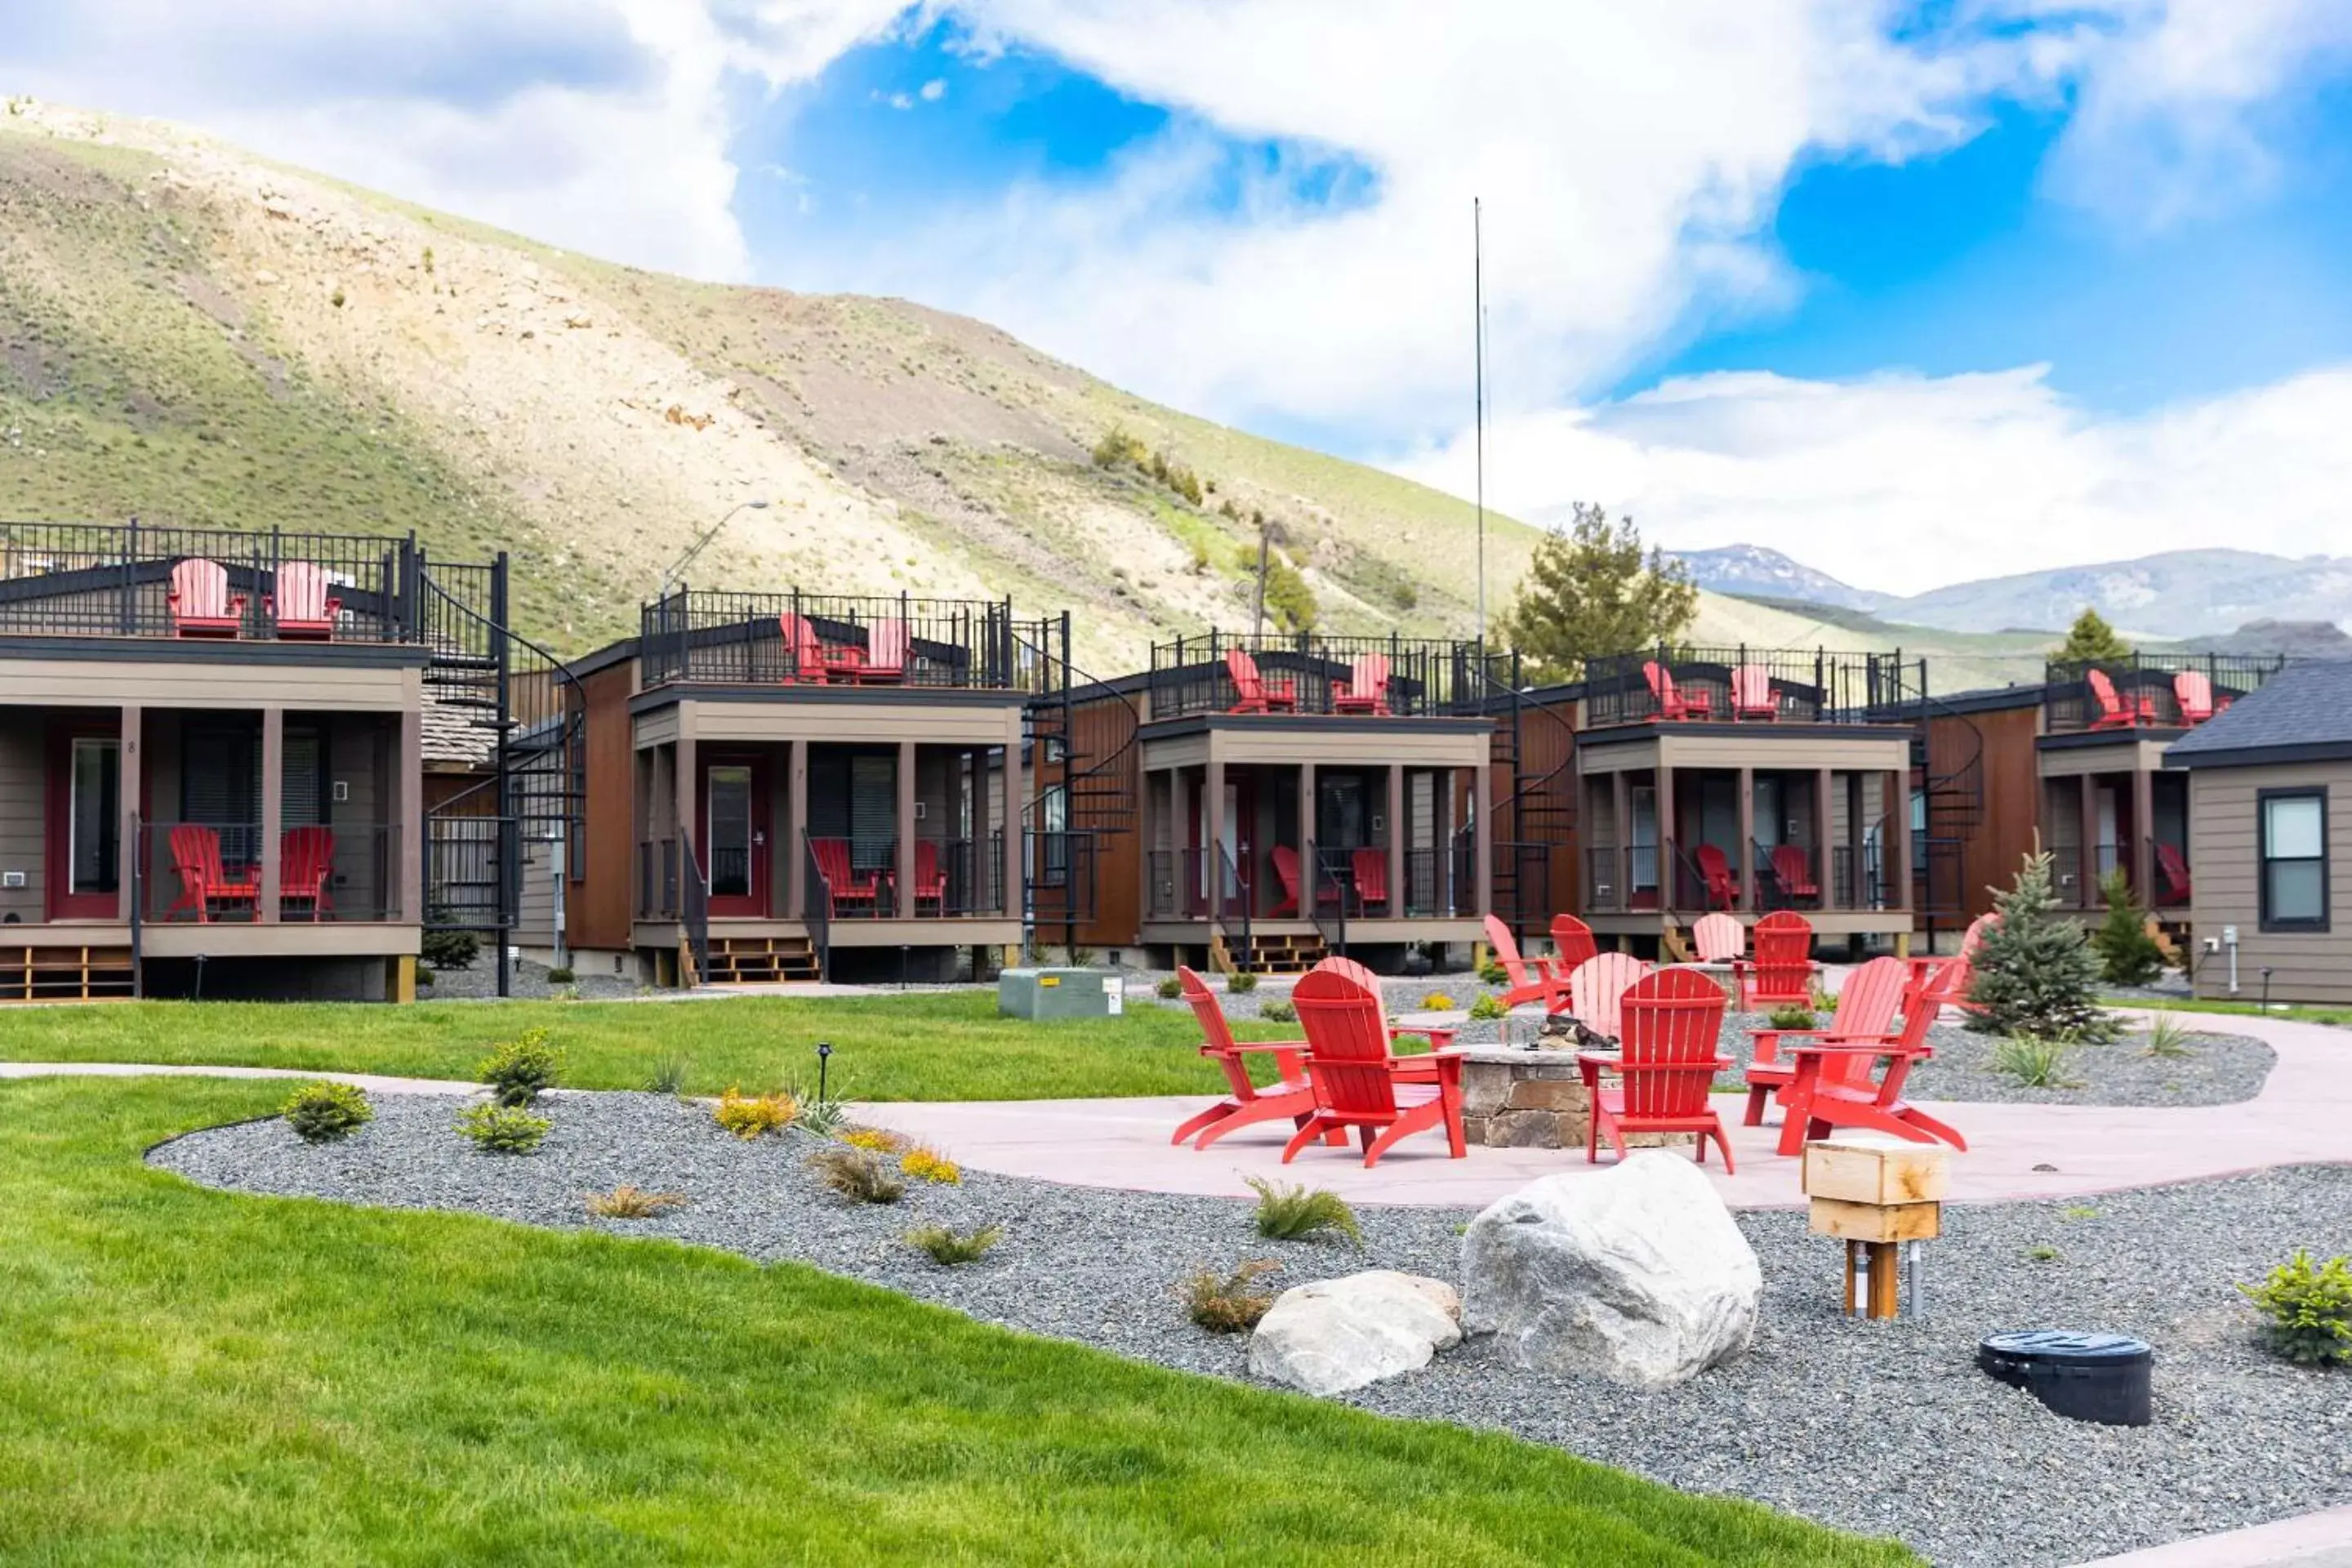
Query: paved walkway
x: 2321, y: 1540
x: 374, y: 1082
x: 2303, y: 1116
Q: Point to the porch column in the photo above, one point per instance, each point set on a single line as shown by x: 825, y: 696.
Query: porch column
x: 1212, y: 875
x: 906, y: 819
x: 409, y: 793
x: 1620, y: 833
x: 1482, y: 837
x: 1395, y: 908
x: 1824, y: 827
x: 1015, y: 866
x: 2088, y: 857
x: 273, y: 793
x: 1668, y: 893
x: 2143, y: 821
x: 1750, y: 873
x: 1310, y: 873
x: 1898, y: 840
x: 795, y: 830
x: 129, y: 771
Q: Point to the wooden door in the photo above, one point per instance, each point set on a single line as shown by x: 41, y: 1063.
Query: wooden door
x: 84, y: 862
x: 732, y: 832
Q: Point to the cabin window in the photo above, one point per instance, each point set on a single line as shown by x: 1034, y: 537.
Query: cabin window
x: 2293, y: 845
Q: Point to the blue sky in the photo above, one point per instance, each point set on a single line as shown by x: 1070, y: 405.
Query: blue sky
x: 2062, y: 279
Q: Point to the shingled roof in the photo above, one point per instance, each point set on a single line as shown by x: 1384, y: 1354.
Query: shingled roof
x: 455, y: 737
x: 2304, y: 713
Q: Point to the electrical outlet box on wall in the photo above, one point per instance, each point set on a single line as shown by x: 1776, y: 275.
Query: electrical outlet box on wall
x: 12, y: 879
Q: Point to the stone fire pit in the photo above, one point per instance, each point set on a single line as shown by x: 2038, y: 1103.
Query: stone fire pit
x: 1513, y: 1097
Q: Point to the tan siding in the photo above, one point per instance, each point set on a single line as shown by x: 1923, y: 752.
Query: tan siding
x: 850, y: 722
x: 2314, y: 966
x: 24, y: 831
x: 1801, y: 754
x: 206, y: 683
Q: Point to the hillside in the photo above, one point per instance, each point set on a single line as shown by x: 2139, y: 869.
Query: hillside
x: 190, y: 334
x: 1753, y: 571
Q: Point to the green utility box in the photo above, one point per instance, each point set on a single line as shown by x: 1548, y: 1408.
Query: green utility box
x: 1059, y: 994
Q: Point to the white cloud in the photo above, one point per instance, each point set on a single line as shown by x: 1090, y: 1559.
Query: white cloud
x: 1903, y: 482
x: 935, y: 90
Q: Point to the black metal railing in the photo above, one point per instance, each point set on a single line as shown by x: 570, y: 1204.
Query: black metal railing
x: 1752, y: 686
x: 861, y: 877
x: 1525, y: 868
x: 1062, y: 881
x: 2076, y: 873
x: 1348, y: 882
x: 2169, y: 866
x: 959, y: 877
x: 1788, y: 875
x: 137, y: 581
x: 710, y: 635
x: 210, y: 872
x: 694, y: 905
x: 2154, y: 692
x: 1222, y: 672
x: 1441, y: 884
x: 817, y: 914
x: 1858, y: 876
x: 657, y: 879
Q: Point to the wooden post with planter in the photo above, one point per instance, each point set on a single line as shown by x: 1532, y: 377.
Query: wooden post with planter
x: 1882, y: 1197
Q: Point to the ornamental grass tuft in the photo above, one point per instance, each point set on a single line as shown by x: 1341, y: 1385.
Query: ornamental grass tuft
x: 629, y: 1202
x: 1229, y: 1303
x: 931, y: 1165
x: 858, y: 1174
x: 754, y: 1116
x: 1302, y: 1212
x: 949, y: 1248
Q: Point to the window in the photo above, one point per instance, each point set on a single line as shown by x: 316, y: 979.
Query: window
x: 2293, y: 845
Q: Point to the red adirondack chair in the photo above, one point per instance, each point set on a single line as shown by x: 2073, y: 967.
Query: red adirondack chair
x: 1922, y: 966
x: 1360, y: 1082
x: 1288, y: 1097
x: 842, y: 884
x: 808, y: 666
x: 1784, y: 967
x: 2193, y: 689
x: 2113, y: 713
x: 200, y: 602
x: 1672, y: 703
x: 1366, y: 689
x: 300, y: 605
x: 888, y: 644
x: 1833, y: 1086
x: 1752, y: 696
x: 1865, y: 1011
x: 1792, y: 868
x: 930, y: 881
x: 1438, y: 1036
x: 1714, y: 869
x: 1286, y: 871
x: 1664, y: 1067
x: 1251, y: 692
x: 1370, y: 867
x: 305, y: 868
x: 2172, y: 867
x: 1720, y: 937
x: 1571, y: 943
x: 1597, y: 985
x: 1528, y: 979
x: 203, y: 882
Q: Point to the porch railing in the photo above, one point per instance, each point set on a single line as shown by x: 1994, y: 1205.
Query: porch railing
x: 1061, y: 882
x: 211, y: 873
x: 657, y: 879
x: 1741, y: 685
x: 2158, y: 691
x: 1306, y: 673
x: 694, y: 904
x: 710, y: 635
x: 959, y: 877
x: 818, y: 912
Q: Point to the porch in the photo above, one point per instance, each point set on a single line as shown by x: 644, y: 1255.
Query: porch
x: 2115, y: 807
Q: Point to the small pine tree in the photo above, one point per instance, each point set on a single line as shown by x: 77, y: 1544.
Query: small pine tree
x: 1589, y: 591
x: 2128, y: 954
x: 2092, y: 641
x: 2035, y: 971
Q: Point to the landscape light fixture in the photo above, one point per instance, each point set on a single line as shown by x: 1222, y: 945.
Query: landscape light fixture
x: 824, y: 1058
x: 677, y: 567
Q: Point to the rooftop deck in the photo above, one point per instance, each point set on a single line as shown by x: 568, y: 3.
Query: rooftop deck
x: 2147, y: 691
x: 709, y: 636
x: 1753, y: 686
x: 1303, y: 673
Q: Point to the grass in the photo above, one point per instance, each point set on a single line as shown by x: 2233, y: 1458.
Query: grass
x: 2340, y: 1017
x: 199, y: 1377
x: 927, y: 1046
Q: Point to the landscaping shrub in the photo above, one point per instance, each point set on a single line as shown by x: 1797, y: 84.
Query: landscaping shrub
x: 1279, y: 1013
x: 450, y: 949
x: 2035, y: 1062
x: 879, y: 1141
x: 1437, y: 1001
x: 560, y: 976
x: 1301, y: 1213
x: 754, y: 1116
x: 2310, y: 1310
x: 1169, y: 989
x: 1792, y: 1016
x: 822, y: 1117
x: 668, y: 1076
x: 1487, y: 1007
x: 857, y: 1174
x: 518, y: 1069
x: 931, y: 1165
x: 2127, y: 955
x: 1229, y: 1303
x: 626, y: 1201
x: 1240, y: 981
x: 2167, y: 1036
x: 322, y: 1113
x: 1494, y: 974
x: 949, y: 1248
x: 2035, y: 971
x: 504, y: 1128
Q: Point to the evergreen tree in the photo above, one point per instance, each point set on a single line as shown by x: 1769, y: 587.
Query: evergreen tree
x: 1589, y: 594
x: 2035, y: 971
x: 2126, y: 952
x: 2090, y: 640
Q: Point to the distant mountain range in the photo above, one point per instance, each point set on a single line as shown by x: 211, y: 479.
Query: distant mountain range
x: 2180, y: 594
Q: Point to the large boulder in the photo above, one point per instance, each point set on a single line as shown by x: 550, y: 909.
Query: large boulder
x: 1636, y: 1273
x: 1338, y: 1334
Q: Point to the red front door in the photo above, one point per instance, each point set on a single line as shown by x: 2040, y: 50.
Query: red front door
x: 84, y: 864
x: 732, y: 832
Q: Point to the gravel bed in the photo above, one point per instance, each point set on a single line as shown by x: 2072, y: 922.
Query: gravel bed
x: 478, y: 982
x: 1880, y: 1427
x: 1402, y: 996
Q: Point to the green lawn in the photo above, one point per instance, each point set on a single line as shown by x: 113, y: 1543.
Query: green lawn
x: 2337, y: 1016
x: 920, y: 1045
x: 196, y: 1377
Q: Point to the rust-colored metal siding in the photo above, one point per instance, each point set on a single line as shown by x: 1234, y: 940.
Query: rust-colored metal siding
x: 2003, y: 835
x: 1547, y: 812
x: 598, y: 913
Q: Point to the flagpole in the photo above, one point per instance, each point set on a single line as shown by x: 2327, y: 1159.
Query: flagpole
x: 1478, y: 325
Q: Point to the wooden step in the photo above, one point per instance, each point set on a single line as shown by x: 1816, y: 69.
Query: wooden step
x: 64, y: 973
x: 759, y: 960
x: 1291, y: 954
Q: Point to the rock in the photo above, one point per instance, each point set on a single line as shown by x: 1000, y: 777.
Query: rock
x: 1335, y: 1335
x: 1637, y: 1274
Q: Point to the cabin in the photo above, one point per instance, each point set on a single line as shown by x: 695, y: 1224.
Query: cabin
x: 2269, y: 785
x: 794, y: 787
x: 1295, y: 794
x: 212, y: 751
x: 1748, y: 780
